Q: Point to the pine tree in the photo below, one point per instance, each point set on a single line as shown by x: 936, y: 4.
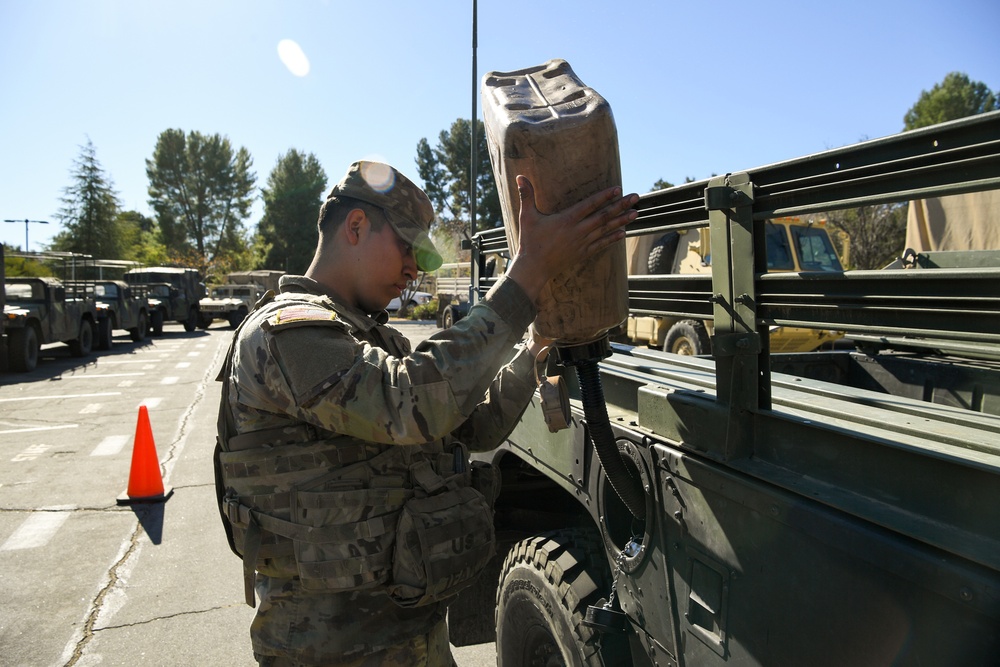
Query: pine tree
x: 287, y: 232
x: 89, y: 213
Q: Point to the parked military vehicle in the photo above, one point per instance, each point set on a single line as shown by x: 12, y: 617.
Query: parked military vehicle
x: 3, y: 320
x: 755, y: 508
x: 791, y: 244
x: 452, y: 283
x: 233, y: 300
x: 119, y: 307
x: 172, y: 295
x: 41, y: 310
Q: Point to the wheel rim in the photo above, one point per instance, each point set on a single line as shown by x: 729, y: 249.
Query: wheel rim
x: 683, y: 345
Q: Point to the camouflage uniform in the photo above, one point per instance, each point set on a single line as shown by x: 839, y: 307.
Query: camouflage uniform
x: 345, y: 373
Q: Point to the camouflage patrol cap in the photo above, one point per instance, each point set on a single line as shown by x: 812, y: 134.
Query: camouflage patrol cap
x: 406, y: 207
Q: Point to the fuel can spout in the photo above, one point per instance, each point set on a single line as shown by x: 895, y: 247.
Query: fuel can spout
x: 585, y: 359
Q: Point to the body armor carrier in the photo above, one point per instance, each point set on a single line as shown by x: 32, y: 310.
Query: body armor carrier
x: 344, y: 514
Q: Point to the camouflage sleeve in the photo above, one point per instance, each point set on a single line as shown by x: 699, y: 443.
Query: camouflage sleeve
x: 495, y: 417
x: 325, y: 376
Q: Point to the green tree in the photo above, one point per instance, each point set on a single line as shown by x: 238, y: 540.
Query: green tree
x: 662, y: 184
x: 445, y: 172
x: 292, y: 199
x: 955, y: 97
x: 202, y: 191
x: 89, y: 210
x: 876, y: 234
x: 141, y: 236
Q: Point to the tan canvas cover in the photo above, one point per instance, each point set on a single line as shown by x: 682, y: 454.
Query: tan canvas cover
x: 956, y: 222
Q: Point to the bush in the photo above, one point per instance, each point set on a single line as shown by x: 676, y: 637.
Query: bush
x: 428, y: 311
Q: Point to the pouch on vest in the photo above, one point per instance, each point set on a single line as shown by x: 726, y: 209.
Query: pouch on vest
x: 444, y: 538
x: 340, y: 533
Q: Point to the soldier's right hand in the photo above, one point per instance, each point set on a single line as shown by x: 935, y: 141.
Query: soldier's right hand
x: 549, y: 244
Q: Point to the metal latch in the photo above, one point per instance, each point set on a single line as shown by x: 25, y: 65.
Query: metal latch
x: 555, y: 398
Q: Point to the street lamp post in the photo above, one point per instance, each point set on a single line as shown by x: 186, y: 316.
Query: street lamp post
x: 42, y: 222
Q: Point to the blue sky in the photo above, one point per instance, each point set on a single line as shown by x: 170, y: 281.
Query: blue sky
x: 696, y: 88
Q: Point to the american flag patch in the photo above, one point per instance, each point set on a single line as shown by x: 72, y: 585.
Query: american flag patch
x: 303, y: 314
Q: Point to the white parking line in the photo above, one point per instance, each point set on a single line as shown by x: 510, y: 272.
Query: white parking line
x: 110, y: 446
x: 183, y: 364
x: 98, y: 376
x: 170, y: 380
x: 49, y: 398
x: 36, y: 531
x: 124, y: 361
x: 150, y: 403
x: 39, y: 428
x: 91, y: 408
x: 31, y: 453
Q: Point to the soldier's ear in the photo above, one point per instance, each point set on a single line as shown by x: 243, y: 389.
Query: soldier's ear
x: 354, y: 225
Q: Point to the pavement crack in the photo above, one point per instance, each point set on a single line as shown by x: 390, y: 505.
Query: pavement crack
x: 175, y: 447
x: 166, y: 617
x: 98, y: 603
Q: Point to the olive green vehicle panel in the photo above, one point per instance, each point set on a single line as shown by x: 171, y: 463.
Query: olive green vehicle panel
x: 827, y: 508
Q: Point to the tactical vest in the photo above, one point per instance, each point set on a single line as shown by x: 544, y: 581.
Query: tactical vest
x: 343, y: 514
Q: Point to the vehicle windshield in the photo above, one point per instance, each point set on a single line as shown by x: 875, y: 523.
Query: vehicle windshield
x: 815, y: 249
x: 109, y: 290
x: 779, y: 255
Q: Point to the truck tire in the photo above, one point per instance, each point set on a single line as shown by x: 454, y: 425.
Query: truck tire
x: 156, y: 323
x: 237, y: 316
x: 546, y: 585
x: 105, y: 334
x: 191, y: 323
x: 662, y: 254
x: 448, y: 319
x: 204, y: 321
x: 138, y: 332
x: 22, y: 349
x: 687, y: 337
x: 83, y: 345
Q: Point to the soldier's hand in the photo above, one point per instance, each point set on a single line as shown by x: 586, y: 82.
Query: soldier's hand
x: 553, y: 243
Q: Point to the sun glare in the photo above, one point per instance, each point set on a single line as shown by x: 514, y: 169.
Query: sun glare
x: 378, y: 175
x: 293, y: 57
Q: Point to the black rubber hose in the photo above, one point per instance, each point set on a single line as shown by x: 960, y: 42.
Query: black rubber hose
x: 628, y: 488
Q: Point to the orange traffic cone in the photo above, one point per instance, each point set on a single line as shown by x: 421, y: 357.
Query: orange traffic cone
x: 145, y: 484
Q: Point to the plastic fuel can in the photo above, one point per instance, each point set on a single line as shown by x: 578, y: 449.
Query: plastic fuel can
x: 544, y: 123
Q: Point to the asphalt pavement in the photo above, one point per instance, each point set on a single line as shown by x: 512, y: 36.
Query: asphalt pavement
x: 87, y: 581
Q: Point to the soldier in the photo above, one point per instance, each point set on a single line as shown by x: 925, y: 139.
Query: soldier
x: 342, y: 467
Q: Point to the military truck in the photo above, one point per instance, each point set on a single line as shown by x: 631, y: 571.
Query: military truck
x: 119, y: 307
x: 41, y: 310
x: 172, y: 295
x: 233, y: 300
x: 451, y: 290
x: 754, y: 508
x: 791, y: 244
x: 3, y: 301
